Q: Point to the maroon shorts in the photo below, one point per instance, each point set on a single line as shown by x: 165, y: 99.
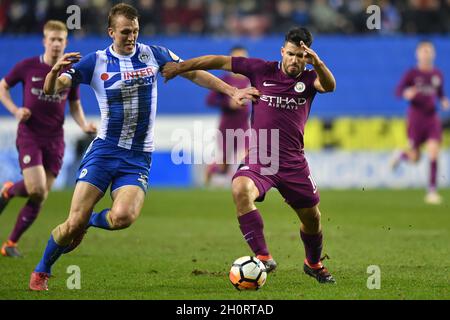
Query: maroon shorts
x: 424, y: 129
x: 296, y: 185
x: 48, y: 153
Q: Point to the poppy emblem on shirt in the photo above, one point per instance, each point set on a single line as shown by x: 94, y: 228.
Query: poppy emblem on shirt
x: 299, y: 87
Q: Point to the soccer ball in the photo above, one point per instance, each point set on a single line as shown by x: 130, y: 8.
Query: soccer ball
x: 248, y: 273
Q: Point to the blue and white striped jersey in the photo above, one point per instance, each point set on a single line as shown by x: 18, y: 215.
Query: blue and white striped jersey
x: 126, y: 91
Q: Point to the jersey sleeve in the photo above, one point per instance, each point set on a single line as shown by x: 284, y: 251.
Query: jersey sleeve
x: 82, y: 71
x: 164, y: 55
x: 404, y: 83
x: 16, y: 74
x: 248, y: 67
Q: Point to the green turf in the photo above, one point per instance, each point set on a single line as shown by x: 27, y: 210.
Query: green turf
x: 182, y: 246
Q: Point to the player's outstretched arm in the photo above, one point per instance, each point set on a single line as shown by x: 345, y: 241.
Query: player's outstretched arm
x: 55, y: 83
x: 76, y: 110
x: 21, y: 114
x: 209, y: 81
x: 211, y: 62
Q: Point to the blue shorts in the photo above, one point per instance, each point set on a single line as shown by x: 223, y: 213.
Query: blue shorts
x: 105, y: 163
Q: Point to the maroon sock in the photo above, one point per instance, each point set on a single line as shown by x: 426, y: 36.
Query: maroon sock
x: 26, y: 217
x: 252, y: 226
x: 313, y: 246
x: 18, y: 190
x: 433, y: 175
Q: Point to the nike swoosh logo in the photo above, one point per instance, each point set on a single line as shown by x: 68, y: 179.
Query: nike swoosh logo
x: 34, y: 79
x: 248, y: 233
x: 265, y: 84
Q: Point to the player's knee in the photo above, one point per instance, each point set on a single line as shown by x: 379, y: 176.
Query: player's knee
x: 73, y: 227
x: 243, y: 191
x: 310, y: 216
x: 37, y: 194
x: 121, y: 222
x: 122, y: 219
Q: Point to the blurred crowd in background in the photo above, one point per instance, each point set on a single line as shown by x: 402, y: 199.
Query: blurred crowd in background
x: 235, y: 17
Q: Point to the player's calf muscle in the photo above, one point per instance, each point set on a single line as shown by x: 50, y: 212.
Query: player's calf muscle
x: 62, y: 234
x: 310, y: 218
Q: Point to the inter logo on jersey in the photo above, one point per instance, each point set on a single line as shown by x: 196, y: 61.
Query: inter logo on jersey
x: 138, y: 77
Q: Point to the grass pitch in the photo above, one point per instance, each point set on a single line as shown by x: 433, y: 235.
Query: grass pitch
x: 184, y: 242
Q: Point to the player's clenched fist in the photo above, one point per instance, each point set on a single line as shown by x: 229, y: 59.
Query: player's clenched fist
x: 241, y: 96
x: 22, y: 114
x: 90, y: 128
x: 66, y: 60
x: 170, y: 71
x: 309, y: 54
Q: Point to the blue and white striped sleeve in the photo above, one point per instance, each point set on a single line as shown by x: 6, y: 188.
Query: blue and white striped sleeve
x: 164, y: 55
x: 81, y: 72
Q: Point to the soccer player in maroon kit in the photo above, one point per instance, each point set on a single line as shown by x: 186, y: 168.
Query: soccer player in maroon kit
x: 423, y: 86
x: 233, y: 117
x: 40, y: 135
x: 287, y: 90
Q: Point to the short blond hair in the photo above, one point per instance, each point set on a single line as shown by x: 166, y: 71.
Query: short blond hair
x: 54, y: 25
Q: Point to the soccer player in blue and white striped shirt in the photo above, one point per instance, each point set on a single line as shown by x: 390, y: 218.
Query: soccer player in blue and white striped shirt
x: 123, y: 77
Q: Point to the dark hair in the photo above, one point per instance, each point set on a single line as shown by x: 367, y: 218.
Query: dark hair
x: 295, y: 35
x: 238, y: 47
x: 122, y: 9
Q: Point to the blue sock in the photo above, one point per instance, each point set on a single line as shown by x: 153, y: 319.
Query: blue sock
x: 99, y: 220
x: 52, y: 252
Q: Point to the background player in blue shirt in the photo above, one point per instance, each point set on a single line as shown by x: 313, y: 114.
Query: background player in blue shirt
x: 123, y: 77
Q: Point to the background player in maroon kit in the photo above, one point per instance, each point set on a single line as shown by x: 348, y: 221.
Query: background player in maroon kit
x: 422, y: 86
x: 233, y: 117
x: 40, y: 135
x: 287, y: 90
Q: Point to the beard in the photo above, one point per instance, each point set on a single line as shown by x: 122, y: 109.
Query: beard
x: 292, y: 70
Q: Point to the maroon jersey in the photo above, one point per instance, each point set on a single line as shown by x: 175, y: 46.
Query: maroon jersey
x: 423, y: 120
x: 429, y: 85
x: 284, y: 105
x: 47, y: 116
x: 231, y: 118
